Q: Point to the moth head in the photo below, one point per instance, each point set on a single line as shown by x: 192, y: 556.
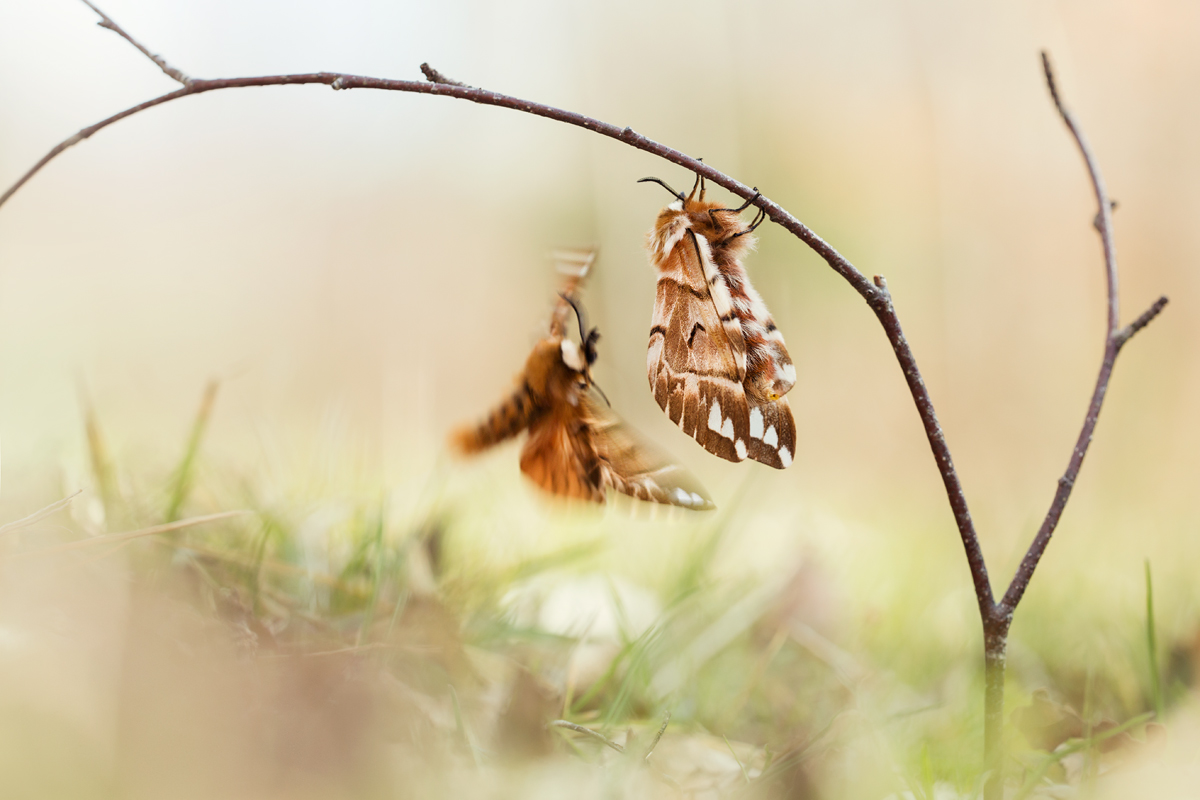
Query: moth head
x: 722, y: 227
x: 580, y: 357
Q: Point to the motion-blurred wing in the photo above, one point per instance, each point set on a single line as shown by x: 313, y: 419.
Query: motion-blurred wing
x: 632, y: 467
x: 583, y: 451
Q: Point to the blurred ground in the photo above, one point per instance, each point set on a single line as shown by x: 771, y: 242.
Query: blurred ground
x: 362, y: 271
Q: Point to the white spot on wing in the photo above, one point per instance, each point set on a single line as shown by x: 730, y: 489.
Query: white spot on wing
x: 727, y: 429
x: 756, y: 423
x: 785, y: 456
x: 788, y: 371
x: 697, y: 500
x: 714, y: 416
x: 772, y: 438
x: 740, y: 448
x: 682, y: 497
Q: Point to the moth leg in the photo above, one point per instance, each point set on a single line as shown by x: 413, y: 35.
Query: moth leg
x: 759, y: 218
x: 699, y: 184
x: 757, y: 194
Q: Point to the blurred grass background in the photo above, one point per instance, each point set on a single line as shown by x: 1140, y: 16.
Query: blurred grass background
x: 360, y: 271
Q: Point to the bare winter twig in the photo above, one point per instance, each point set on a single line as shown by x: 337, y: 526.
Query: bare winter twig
x: 1115, y: 339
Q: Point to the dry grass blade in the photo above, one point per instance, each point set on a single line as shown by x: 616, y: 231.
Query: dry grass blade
x: 38, y: 516
x: 571, y: 726
x: 127, y: 535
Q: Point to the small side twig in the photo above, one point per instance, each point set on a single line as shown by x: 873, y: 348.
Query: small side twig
x: 1143, y: 320
x: 433, y: 76
x: 107, y: 22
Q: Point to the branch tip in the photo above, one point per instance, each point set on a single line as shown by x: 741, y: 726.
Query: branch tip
x: 108, y: 22
x: 1050, y: 79
x: 1145, y: 319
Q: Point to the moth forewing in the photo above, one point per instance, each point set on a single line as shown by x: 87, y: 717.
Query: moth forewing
x: 716, y: 360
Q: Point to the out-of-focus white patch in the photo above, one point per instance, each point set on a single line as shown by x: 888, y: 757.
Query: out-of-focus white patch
x: 602, y: 607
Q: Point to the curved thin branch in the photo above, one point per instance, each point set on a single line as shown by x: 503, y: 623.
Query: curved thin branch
x: 1115, y: 338
x: 886, y: 312
x: 876, y: 297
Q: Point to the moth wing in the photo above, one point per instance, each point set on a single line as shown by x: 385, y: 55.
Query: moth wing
x: 772, y: 439
x: 630, y: 466
x: 558, y: 455
x: 690, y: 362
x: 722, y: 301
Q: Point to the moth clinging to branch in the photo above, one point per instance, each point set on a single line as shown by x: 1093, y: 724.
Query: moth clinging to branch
x: 716, y: 362
x: 576, y: 447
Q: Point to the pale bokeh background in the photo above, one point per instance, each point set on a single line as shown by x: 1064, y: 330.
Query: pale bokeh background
x: 372, y: 267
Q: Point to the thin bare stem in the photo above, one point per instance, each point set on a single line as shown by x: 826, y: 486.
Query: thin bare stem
x: 107, y: 22
x: 1103, y: 221
x: 886, y: 312
x: 1115, y: 338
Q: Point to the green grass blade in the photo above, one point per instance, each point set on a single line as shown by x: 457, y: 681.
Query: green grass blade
x: 1152, y: 647
x: 181, y: 484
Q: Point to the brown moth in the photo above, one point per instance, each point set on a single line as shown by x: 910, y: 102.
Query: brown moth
x: 717, y: 363
x: 576, y: 447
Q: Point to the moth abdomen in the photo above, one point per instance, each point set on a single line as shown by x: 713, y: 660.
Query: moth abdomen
x: 503, y: 422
